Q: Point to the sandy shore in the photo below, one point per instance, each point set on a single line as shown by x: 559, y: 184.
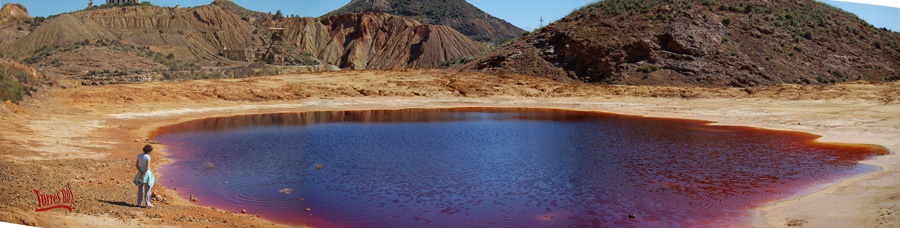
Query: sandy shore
x: 85, y: 136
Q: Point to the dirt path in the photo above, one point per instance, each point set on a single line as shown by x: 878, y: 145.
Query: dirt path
x: 85, y: 137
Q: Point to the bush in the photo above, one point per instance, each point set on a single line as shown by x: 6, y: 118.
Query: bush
x: 454, y: 62
x: 15, y: 91
x: 648, y: 69
x: 807, y: 35
x: 726, y: 21
x: 789, y: 16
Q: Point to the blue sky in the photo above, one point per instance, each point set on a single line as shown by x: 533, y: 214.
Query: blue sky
x: 525, y: 14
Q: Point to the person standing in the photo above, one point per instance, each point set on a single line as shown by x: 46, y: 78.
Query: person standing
x: 144, y: 178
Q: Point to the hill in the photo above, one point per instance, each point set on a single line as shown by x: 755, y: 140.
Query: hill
x: 376, y: 41
x: 245, y: 14
x: 192, y: 34
x: 457, y: 14
x: 14, y: 23
x: 703, y: 42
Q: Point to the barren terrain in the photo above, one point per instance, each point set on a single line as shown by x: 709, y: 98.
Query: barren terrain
x: 86, y: 136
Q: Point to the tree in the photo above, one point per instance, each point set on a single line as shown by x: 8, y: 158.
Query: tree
x: 278, y: 15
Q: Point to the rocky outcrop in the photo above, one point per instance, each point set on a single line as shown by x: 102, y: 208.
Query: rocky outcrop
x: 13, y: 13
x: 192, y: 34
x: 376, y: 41
x: 12, y: 23
x: 721, y: 43
x: 457, y: 14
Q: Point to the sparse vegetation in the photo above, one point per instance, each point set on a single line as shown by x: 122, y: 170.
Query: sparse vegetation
x: 648, y: 69
x: 175, y: 69
x: 456, y: 62
x: 15, y: 84
x: 36, y: 21
x: 107, y: 6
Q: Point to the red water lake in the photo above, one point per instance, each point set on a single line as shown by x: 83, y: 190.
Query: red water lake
x: 487, y: 167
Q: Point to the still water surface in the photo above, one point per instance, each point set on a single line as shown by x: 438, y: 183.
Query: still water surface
x: 494, y: 168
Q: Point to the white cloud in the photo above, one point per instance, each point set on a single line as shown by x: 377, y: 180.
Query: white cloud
x: 889, y: 3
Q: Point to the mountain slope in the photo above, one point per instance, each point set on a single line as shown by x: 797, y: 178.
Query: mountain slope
x: 376, y: 41
x: 457, y: 14
x: 703, y: 42
x: 193, y: 34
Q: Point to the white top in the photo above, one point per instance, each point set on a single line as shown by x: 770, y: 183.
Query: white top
x: 143, y: 159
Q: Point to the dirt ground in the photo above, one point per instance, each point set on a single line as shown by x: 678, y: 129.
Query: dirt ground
x: 86, y: 136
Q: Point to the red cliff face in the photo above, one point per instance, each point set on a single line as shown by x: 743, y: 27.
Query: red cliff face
x: 377, y: 41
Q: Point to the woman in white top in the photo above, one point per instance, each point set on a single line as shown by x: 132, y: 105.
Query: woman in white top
x: 144, y: 178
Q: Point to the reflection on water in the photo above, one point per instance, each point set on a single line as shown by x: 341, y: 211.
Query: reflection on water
x: 494, y: 168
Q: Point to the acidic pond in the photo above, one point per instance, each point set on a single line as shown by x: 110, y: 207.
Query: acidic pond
x: 477, y: 167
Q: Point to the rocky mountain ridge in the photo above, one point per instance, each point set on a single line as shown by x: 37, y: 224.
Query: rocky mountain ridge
x: 457, y: 14
x: 702, y: 42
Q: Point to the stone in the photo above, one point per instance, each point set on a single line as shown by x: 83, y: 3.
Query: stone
x: 632, y: 216
x: 243, y: 211
x: 333, y: 68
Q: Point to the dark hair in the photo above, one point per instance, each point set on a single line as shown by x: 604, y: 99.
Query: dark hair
x: 148, y: 148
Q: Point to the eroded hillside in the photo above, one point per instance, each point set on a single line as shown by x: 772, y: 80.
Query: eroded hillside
x: 376, y: 41
x: 703, y: 42
x: 457, y: 14
x: 193, y: 34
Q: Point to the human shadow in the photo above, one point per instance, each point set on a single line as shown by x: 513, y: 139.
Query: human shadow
x: 118, y: 203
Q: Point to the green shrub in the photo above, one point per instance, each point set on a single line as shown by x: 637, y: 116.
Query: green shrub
x: 15, y: 91
x: 789, y: 17
x: 648, y: 69
x: 455, y: 62
x: 807, y: 35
